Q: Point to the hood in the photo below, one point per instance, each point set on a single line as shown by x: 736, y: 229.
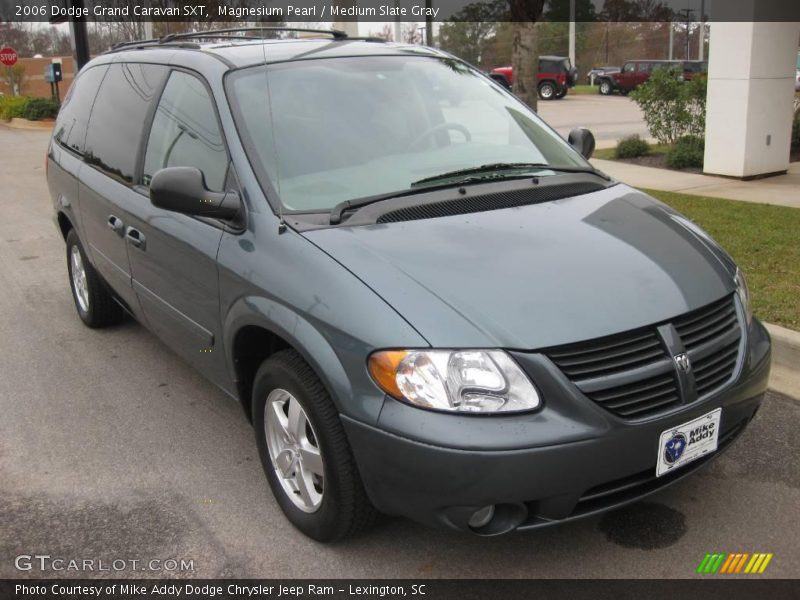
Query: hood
x: 539, y: 275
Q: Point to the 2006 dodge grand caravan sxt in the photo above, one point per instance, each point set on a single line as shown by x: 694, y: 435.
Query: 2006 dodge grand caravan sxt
x: 428, y: 303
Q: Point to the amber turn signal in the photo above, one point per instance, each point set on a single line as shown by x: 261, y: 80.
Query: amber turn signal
x: 383, y: 368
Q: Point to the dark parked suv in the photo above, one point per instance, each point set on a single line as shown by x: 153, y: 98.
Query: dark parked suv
x: 427, y: 302
x: 635, y: 72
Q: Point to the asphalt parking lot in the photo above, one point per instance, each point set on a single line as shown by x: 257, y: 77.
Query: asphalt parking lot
x: 111, y: 447
x: 609, y: 117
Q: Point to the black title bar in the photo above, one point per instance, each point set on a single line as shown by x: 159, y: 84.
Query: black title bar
x: 205, y: 11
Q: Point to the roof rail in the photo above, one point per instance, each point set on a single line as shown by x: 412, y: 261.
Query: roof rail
x: 224, y: 33
x: 146, y: 43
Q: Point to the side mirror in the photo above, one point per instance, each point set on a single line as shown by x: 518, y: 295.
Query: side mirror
x: 582, y: 140
x: 183, y: 190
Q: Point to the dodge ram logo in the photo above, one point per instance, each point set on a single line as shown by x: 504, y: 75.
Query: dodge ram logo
x: 683, y: 362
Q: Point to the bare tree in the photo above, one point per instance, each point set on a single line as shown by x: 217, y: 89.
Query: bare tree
x: 385, y: 33
x: 14, y: 77
x: 524, y: 56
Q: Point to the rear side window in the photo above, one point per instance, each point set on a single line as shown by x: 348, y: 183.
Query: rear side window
x: 70, y: 127
x: 186, y: 133
x: 115, y: 128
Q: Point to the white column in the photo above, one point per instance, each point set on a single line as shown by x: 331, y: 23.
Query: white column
x: 749, y: 104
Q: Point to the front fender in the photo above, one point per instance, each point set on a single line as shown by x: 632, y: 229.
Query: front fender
x: 307, y: 340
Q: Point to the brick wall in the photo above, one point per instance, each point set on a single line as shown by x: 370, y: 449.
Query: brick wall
x: 34, y: 83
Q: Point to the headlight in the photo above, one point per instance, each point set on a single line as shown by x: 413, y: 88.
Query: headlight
x: 744, y: 294
x: 477, y: 381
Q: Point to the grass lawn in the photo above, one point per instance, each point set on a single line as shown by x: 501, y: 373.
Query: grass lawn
x: 583, y: 89
x: 608, y: 153
x: 763, y: 239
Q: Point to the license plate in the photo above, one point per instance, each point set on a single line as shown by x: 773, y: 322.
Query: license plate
x: 680, y: 445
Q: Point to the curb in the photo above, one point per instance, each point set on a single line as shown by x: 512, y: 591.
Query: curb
x: 785, y: 375
x: 17, y: 123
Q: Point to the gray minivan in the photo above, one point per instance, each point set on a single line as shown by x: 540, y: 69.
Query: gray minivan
x: 427, y: 302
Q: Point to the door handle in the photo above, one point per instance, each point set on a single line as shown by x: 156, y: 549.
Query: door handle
x: 135, y: 237
x: 116, y: 224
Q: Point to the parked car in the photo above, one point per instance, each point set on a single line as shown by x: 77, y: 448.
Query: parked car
x: 431, y: 310
x: 595, y: 74
x: 555, y: 76
x: 635, y: 72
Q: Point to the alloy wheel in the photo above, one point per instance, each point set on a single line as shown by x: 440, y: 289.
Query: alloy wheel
x: 294, y: 450
x: 80, y: 286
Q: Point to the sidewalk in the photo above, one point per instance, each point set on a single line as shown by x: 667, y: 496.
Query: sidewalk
x: 783, y: 190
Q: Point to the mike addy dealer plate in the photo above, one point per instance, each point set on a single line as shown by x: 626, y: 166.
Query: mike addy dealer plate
x: 682, y: 444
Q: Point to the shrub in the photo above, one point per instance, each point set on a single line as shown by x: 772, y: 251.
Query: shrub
x: 40, y: 108
x: 796, y: 122
x: 672, y: 108
x: 12, y: 107
x: 631, y: 146
x: 687, y: 152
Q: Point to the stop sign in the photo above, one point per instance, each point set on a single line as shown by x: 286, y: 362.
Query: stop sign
x: 8, y: 56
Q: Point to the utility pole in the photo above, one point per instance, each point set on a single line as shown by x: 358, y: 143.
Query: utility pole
x: 572, y: 33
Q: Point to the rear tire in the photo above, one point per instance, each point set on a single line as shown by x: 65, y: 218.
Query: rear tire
x: 547, y: 91
x: 561, y: 94
x: 309, y: 465
x: 93, y: 300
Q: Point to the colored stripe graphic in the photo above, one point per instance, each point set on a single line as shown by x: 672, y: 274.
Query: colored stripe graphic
x: 722, y: 563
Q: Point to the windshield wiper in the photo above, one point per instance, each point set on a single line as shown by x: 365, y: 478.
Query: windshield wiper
x: 491, y: 171
x: 338, y: 210
x: 494, y: 171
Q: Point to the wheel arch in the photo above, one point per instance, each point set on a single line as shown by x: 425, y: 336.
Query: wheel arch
x: 65, y: 224
x: 257, y: 327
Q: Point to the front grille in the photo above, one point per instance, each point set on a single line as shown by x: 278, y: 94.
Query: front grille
x: 633, y: 375
x: 641, y: 398
x: 716, y: 369
x: 706, y: 324
x: 609, y: 355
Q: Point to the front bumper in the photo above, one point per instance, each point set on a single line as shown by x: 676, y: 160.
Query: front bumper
x: 569, y: 460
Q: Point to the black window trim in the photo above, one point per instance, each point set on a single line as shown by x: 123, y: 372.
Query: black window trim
x: 81, y: 155
x: 136, y: 176
x: 231, y: 180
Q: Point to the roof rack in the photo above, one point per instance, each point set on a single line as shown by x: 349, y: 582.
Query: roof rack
x: 145, y: 43
x: 175, y: 40
x: 225, y: 33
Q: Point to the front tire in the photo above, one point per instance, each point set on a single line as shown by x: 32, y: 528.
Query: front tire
x: 304, y: 451
x: 547, y: 91
x: 605, y: 88
x: 93, y: 300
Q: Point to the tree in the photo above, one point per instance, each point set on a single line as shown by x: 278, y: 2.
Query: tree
x: 467, y: 33
x: 14, y: 77
x: 524, y: 56
x: 385, y: 33
x: 410, y: 34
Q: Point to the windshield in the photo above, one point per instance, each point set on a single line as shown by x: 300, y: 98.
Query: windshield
x: 349, y: 128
